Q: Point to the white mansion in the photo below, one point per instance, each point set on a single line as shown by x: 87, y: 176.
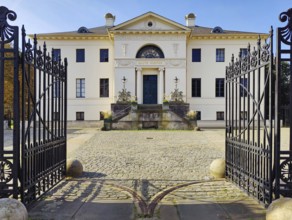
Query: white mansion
x: 150, y: 52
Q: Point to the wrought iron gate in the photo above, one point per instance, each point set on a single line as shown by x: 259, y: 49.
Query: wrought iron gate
x: 254, y: 159
x: 283, y: 156
x: 36, y: 161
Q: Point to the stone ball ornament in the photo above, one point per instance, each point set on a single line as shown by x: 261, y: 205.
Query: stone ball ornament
x: 12, y: 209
x: 217, y: 168
x: 280, y: 209
x: 74, y: 168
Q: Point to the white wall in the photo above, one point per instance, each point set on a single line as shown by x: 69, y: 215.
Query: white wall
x: 122, y: 62
x: 92, y: 70
x: 208, y: 70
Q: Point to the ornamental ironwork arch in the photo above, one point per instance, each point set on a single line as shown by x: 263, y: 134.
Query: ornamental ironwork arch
x: 150, y: 51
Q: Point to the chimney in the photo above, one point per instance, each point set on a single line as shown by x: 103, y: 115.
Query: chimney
x: 109, y: 20
x: 190, y: 19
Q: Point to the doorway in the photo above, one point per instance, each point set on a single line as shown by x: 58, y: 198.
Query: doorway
x: 149, y: 89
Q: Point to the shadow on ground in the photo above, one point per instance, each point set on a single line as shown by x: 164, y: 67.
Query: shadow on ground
x: 144, y: 199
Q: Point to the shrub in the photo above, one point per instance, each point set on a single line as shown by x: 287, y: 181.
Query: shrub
x: 191, y: 114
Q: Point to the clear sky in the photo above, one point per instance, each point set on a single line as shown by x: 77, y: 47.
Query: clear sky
x: 44, y: 16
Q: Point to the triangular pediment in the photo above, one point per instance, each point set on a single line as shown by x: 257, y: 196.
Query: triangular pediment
x: 150, y: 22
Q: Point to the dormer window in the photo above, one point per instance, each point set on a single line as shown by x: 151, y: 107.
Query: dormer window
x: 82, y: 30
x: 217, y: 30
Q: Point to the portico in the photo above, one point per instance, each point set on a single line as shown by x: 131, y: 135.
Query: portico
x: 150, y: 85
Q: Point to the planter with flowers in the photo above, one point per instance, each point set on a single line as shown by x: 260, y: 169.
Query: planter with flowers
x: 107, y: 120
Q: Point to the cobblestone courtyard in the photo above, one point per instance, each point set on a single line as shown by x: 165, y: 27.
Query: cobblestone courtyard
x: 146, y: 175
x: 159, y: 155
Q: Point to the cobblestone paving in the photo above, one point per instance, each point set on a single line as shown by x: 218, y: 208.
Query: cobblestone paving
x: 158, y: 155
x: 153, y: 166
x: 148, y: 169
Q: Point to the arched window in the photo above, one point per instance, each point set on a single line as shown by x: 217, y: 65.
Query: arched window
x: 150, y: 51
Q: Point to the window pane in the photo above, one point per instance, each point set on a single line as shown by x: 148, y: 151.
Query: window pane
x: 220, y: 55
x: 56, y: 54
x: 80, y: 55
x: 243, y: 87
x: 196, y: 55
x: 220, y: 87
x: 103, y: 55
x: 243, y: 115
x: 104, y: 88
x: 220, y: 115
x: 243, y: 52
x: 198, y: 115
x: 196, y: 87
x: 56, y: 116
x: 56, y: 89
x: 80, y: 116
x: 80, y: 88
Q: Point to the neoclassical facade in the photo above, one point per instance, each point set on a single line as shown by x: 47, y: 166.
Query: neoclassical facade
x: 150, y: 55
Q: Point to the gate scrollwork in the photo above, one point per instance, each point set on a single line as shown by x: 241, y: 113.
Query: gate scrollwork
x: 7, y: 32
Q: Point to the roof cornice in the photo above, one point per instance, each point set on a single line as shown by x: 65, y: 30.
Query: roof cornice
x: 70, y: 37
x: 226, y: 36
x: 149, y: 32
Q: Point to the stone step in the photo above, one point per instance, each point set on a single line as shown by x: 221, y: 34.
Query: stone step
x: 150, y: 107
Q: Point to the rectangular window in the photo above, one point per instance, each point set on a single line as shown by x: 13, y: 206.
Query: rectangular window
x: 79, y: 116
x: 220, y: 55
x: 56, y: 89
x: 104, y: 88
x: 56, y: 54
x: 80, y: 88
x: 243, y: 115
x: 219, y: 115
x: 196, y: 55
x: 56, y: 116
x: 198, y: 115
x: 101, y: 116
x: 220, y: 87
x: 103, y: 55
x: 243, y: 52
x: 196, y: 87
x: 243, y: 87
x: 80, y: 55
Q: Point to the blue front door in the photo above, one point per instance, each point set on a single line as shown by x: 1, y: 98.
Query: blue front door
x: 150, y: 89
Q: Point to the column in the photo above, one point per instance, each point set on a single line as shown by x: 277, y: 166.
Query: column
x: 161, y: 85
x: 139, y: 85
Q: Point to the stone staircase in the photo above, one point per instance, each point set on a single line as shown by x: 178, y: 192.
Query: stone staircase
x: 152, y: 117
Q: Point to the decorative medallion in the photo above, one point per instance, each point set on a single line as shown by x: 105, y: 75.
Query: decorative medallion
x: 5, y: 171
x: 286, y: 168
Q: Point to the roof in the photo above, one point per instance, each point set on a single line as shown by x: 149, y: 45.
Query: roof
x: 199, y: 30
x: 151, y: 14
x: 104, y: 31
